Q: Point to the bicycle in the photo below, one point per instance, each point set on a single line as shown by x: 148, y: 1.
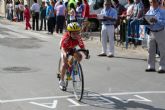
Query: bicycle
x: 74, y: 73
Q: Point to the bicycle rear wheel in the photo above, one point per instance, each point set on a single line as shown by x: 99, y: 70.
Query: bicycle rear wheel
x: 78, y: 81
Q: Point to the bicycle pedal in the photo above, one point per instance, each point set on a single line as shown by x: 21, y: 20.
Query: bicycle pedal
x: 58, y: 75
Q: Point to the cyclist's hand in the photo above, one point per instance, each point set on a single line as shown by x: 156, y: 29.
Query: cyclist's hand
x: 77, y: 56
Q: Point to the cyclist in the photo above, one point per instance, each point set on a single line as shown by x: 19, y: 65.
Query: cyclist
x: 69, y: 41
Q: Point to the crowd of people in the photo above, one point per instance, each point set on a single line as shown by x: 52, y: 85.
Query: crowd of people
x: 51, y: 14
x: 133, y: 16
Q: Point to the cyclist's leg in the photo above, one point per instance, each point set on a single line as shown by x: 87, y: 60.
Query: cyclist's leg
x: 62, y: 83
x: 63, y: 66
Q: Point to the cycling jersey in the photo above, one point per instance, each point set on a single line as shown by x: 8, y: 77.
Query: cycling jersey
x: 68, y: 43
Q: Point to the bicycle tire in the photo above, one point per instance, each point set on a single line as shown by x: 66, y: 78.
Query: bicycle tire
x: 78, y: 78
x: 58, y: 74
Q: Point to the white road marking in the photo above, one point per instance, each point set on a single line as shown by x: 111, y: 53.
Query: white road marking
x: 47, y: 105
x: 73, y: 102
x: 140, y: 99
x: 90, y: 95
x: 117, y: 98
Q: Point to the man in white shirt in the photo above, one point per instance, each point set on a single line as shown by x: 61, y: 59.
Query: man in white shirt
x: 35, y: 8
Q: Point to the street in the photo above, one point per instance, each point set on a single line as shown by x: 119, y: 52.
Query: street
x: 28, y: 67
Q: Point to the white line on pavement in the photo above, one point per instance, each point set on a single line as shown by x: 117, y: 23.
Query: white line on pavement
x: 89, y: 95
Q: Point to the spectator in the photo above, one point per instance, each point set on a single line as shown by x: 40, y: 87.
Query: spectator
x: 120, y: 10
x: 54, y: 12
x: 21, y: 8
x: 133, y: 22
x: 110, y: 16
x: 27, y: 17
x: 129, y: 8
x: 79, y: 10
x: 35, y: 8
x: 17, y: 11
x: 43, y: 15
x: 157, y: 32
x: 124, y: 19
x: 60, y: 14
x: 72, y: 13
x: 50, y: 17
x: 11, y: 10
x: 85, y: 13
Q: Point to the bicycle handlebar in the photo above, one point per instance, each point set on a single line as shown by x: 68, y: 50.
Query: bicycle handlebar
x: 85, y: 51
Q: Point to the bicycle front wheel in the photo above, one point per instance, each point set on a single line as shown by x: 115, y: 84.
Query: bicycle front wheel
x: 78, y: 81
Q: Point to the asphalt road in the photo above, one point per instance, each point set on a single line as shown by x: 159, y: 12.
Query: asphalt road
x: 28, y: 66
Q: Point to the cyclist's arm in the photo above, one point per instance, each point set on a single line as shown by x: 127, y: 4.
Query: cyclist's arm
x: 64, y: 52
x: 81, y: 43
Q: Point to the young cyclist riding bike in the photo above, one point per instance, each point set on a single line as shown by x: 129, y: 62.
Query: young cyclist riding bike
x: 69, y: 41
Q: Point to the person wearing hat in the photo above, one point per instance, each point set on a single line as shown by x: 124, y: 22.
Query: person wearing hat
x: 109, y: 19
x: 157, y: 33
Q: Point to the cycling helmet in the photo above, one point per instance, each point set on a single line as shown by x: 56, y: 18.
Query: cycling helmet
x: 74, y: 26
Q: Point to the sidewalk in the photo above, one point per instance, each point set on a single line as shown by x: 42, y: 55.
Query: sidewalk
x: 120, y: 51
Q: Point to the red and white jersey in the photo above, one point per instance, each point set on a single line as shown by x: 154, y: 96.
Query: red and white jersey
x: 68, y: 43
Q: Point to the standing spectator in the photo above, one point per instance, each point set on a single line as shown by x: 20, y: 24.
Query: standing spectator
x: 133, y: 23
x: 60, y: 14
x: 21, y: 8
x: 50, y: 17
x: 86, y: 9
x: 17, y: 11
x: 27, y: 17
x: 124, y: 20
x: 43, y: 15
x: 11, y: 10
x: 157, y: 33
x: 79, y: 10
x: 129, y: 8
x: 35, y: 8
x: 72, y: 13
x: 120, y: 10
x: 54, y: 12
x: 109, y: 16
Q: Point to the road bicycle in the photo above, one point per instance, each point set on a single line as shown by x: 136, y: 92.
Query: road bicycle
x: 74, y: 73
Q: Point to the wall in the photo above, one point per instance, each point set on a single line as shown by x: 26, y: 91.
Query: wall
x: 2, y: 7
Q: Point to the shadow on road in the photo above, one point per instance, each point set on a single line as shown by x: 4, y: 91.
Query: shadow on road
x: 131, y: 58
x: 108, y: 102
